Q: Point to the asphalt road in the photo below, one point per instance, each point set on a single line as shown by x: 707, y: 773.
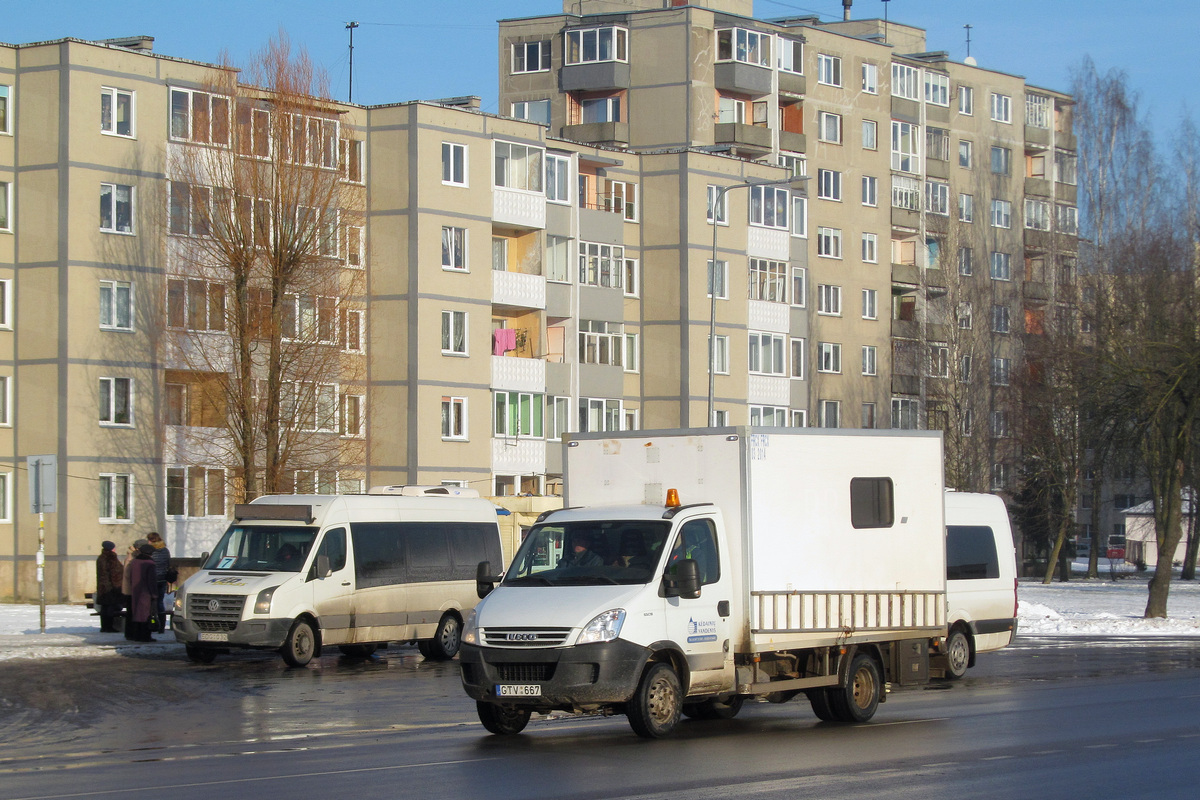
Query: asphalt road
x: 1050, y: 718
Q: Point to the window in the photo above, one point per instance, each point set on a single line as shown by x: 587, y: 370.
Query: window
x: 905, y: 82
x: 1067, y: 219
x: 965, y: 153
x: 6, y: 384
x: 600, y: 109
x: 718, y: 280
x: 558, y: 179
x: 199, y: 117
x: 829, y: 242
x: 906, y: 147
x: 871, y: 504
x: 116, y: 208
x: 454, y: 418
x: 5, y: 206
x: 1001, y: 160
x: 720, y: 357
x: 937, y: 198
x: 620, y: 197
x: 116, y: 111
x: 829, y: 414
x: 533, y: 110
x: 905, y: 413
x: 6, y: 109
x: 829, y: 299
x: 829, y: 357
x: 939, y: 361
x: 769, y: 206
x: 870, y: 248
x: 631, y: 279
x: 768, y: 416
x: 1065, y: 167
x: 799, y: 287
x: 6, y: 298
x: 721, y: 206
x: 790, y: 56
x: 1000, y: 426
x: 601, y: 264
x: 454, y: 164
x: 350, y: 156
x: 829, y: 70
x: 906, y: 193
x: 195, y: 492
x: 937, y: 89
x: 966, y: 261
x: 589, y: 45
x: 454, y: 248
x: 116, y: 498
x: 768, y: 280
x: 353, y: 330
x: 999, y: 476
x: 597, y: 415
x: 1038, y: 111
x: 531, y: 57
x: 868, y: 415
x: 116, y: 305
x: 1001, y: 214
x: 829, y: 184
x: 767, y: 354
x: 966, y: 100
x: 731, y: 110
x: 964, y: 316
x: 968, y: 421
x: 966, y: 208
x: 518, y: 166
x: 869, y: 365
x: 454, y: 333
x: 558, y: 417
x: 870, y: 191
x: 798, y: 346
x: 870, y: 78
x: 312, y: 406
x: 870, y: 304
x: 1001, y: 108
x: 965, y: 365
x: 870, y: 134
x: 800, y: 216
x: 937, y: 143
x: 116, y: 401
x: 518, y: 414
x: 196, y: 305
x: 749, y: 47
x: 1000, y: 371
x: 601, y: 342
x: 1001, y: 267
x: 558, y: 259
x: 829, y: 127
x: 1037, y: 215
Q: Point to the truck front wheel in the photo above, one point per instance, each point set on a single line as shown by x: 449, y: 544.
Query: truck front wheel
x: 858, y: 699
x: 657, y: 704
x: 500, y: 720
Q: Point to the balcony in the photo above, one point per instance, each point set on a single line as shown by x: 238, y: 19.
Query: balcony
x: 1036, y: 291
x: 906, y: 384
x: 516, y: 374
x: 793, y: 142
x: 518, y: 290
x: 615, y: 133
x: 594, y: 77
x: 906, y: 274
x: 791, y: 83
x: 734, y: 76
x: 773, y: 243
x: 751, y: 138
x: 1037, y: 186
x: 763, y: 315
x: 1037, y: 138
x: 514, y: 455
x: 518, y: 208
x: 769, y: 390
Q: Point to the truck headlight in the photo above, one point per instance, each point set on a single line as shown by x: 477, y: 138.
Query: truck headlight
x: 263, y: 604
x: 603, y: 628
x: 470, y: 634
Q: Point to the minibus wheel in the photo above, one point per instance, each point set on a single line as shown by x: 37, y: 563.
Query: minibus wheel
x: 300, y: 645
x: 444, y: 644
x: 958, y: 654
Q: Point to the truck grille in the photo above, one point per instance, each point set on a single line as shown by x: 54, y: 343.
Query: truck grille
x: 525, y: 637
x: 215, y: 612
x: 525, y: 673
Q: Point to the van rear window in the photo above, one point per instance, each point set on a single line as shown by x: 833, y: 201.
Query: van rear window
x: 971, y: 553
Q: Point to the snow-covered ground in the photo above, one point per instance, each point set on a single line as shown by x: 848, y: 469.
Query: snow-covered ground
x: 1078, y: 608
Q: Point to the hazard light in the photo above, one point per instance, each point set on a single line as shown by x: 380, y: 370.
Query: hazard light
x: 672, y: 498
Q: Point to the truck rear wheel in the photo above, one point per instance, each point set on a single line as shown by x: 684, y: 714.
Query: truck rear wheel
x: 819, y: 700
x: 657, y: 703
x: 502, y: 720
x: 300, y: 645
x: 859, y: 698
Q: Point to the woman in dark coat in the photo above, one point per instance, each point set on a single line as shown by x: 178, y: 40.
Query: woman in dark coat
x: 143, y: 601
x: 108, y: 599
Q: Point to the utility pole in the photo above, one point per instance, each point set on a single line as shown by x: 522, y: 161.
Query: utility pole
x: 350, y: 26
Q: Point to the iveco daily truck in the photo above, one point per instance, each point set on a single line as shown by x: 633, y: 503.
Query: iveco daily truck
x: 691, y: 570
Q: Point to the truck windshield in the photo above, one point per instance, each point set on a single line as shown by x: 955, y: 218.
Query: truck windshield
x: 262, y: 548
x: 574, y: 553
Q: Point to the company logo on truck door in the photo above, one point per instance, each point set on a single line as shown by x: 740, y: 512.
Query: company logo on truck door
x: 702, y: 630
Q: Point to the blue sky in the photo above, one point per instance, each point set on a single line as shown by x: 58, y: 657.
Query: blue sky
x: 444, y: 48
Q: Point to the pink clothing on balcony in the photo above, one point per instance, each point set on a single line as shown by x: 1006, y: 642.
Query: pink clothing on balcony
x: 503, y: 340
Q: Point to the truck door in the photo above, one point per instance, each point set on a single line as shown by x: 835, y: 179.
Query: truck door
x: 701, y: 626
x: 333, y: 593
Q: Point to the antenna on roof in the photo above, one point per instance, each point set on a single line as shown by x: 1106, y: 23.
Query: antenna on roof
x: 350, y: 26
x: 968, y: 27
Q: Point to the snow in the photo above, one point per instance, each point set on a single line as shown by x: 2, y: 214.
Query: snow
x: 1077, y: 608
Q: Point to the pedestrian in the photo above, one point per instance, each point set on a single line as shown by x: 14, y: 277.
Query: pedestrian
x: 162, y: 564
x: 143, y: 598
x: 109, y: 575
x: 127, y: 587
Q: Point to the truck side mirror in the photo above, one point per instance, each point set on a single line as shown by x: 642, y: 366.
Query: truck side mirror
x: 485, y: 581
x: 683, y: 580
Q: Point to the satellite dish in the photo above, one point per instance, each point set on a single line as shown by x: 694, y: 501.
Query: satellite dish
x: 970, y: 61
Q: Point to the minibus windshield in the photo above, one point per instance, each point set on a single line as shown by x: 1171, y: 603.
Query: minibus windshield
x: 589, y: 552
x: 262, y: 548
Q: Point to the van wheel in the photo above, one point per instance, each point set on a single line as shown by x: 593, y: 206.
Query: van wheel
x: 300, y: 645
x: 444, y: 644
x: 859, y: 698
x: 958, y: 654
x: 656, y: 705
x: 819, y: 700
x: 713, y: 708
x: 501, y: 720
x: 200, y: 655
x: 358, y: 650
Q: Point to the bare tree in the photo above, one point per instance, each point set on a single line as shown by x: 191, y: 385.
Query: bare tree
x: 265, y: 298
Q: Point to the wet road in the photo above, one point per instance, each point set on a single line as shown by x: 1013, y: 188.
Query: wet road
x: 1054, y: 718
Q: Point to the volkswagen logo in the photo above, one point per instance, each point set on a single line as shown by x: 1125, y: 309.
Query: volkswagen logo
x: 521, y: 637
x: 214, y: 605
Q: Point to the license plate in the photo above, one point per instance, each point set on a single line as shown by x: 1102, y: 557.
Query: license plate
x: 518, y: 690
x: 214, y: 637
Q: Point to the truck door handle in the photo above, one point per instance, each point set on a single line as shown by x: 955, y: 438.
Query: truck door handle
x: 723, y: 608
x: 345, y: 583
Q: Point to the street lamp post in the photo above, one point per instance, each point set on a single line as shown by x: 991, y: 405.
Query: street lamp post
x: 712, y: 280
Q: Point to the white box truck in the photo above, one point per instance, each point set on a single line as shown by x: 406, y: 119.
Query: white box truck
x: 295, y: 572
x: 694, y: 569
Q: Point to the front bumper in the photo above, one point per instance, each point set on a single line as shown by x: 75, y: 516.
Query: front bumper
x: 570, y: 678
x: 266, y: 634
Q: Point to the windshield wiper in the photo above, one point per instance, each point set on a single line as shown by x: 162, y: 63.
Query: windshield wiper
x: 529, y: 579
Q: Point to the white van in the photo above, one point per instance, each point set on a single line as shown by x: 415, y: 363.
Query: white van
x: 981, y: 579
x: 296, y: 572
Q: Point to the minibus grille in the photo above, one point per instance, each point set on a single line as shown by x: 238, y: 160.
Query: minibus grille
x: 525, y: 637
x: 215, y: 612
x: 525, y: 673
